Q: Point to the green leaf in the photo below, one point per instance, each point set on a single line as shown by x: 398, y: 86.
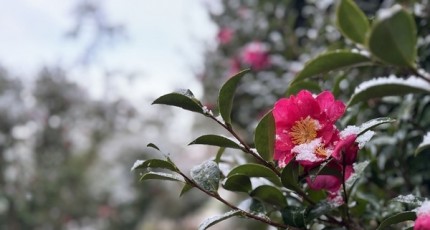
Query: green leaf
x: 151, y: 145
x: 309, y: 85
x: 161, y: 176
x: 393, y: 38
x: 294, y: 216
x: 270, y: 195
x: 256, y: 170
x: 187, y: 187
x: 238, y: 183
x: 290, y: 175
x: 373, y: 123
x: 184, y: 100
x: 329, y: 61
x: 397, y: 218
x: 216, y: 140
x: 358, y: 172
x: 425, y: 144
x: 219, y: 154
x: 257, y: 207
x: 216, y: 219
x: 154, y: 163
x: 391, y: 86
x: 264, y: 137
x: 319, y: 209
x: 207, y: 175
x: 226, y: 95
x: 351, y: 21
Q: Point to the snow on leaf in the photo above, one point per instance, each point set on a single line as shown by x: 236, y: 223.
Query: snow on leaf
x: 425, y: 144
x: 358, y: 172
x: 137, y: 164
x: 412, y: 81
x: 424, y: 209
x: 388, y: 86
x: 216, y: 219
x: 409, y: 199
x: 207, y: 175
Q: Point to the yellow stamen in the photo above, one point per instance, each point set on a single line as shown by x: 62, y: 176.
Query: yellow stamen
x: 304, y: 131
x: 321, y: 152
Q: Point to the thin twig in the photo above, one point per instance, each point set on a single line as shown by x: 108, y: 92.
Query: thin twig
x: 243, y: 212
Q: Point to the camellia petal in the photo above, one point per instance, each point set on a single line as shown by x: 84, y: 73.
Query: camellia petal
x: 302, y: 119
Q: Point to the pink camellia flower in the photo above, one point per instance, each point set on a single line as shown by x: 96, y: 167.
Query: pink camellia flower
x: 256, y: 55
x: 305, y: 127
x: 423, y: 217
x: 225, y: 35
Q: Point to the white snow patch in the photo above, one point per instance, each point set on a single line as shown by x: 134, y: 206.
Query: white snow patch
x: 137, y: 164
x: 306, y: 152
x: 364, y: 138
x: 349, y: 130
x: 406, y: 199
x: 387, y: 13
x: 412, y: 81
x: 424, y: 209
x: 426, y: 140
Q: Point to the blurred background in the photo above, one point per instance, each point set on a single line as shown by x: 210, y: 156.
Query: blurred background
x: 77, y: 79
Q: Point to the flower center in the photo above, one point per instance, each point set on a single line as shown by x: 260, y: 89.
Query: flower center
x: 321, y: 152
x: 304, y: 131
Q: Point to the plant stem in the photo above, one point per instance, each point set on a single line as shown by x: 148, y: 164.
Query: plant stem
x: 246, y: 147
x: 242, y: 212
x: 345, y: 194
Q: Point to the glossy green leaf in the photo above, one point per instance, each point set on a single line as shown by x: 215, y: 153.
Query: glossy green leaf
x: 257, y: 207
x: 351, y: 21
x: 393, y: 38
x: 301, y: 85
x: 226, y: 95
x: 373, y: 123
x: 207, y: 175
x: 238, y: 183
x: 385, y: 87
x: 154, y: 163
x: 161, y: 176
x: 397, y: 218
x: 216, y: 140
x: 329, y: 61
x: 290, y: 175
x: 187, y: 187
x: 219, y: 154
x: 264, y: 137
x: 151, y: 145
x: 294, y: 216
x: 424, y: 145
x: 184, y: 100
x: 270, y: 195
x: 216, y: 219
x: 255, y: 170
x: 319, y: 209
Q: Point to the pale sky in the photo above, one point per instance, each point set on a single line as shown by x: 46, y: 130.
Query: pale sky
x: 164, y: 44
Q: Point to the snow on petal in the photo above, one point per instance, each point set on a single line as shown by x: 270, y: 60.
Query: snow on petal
x: 306, y: 152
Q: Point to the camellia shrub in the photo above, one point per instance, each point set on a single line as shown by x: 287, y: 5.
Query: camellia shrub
x: 311, y: 165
